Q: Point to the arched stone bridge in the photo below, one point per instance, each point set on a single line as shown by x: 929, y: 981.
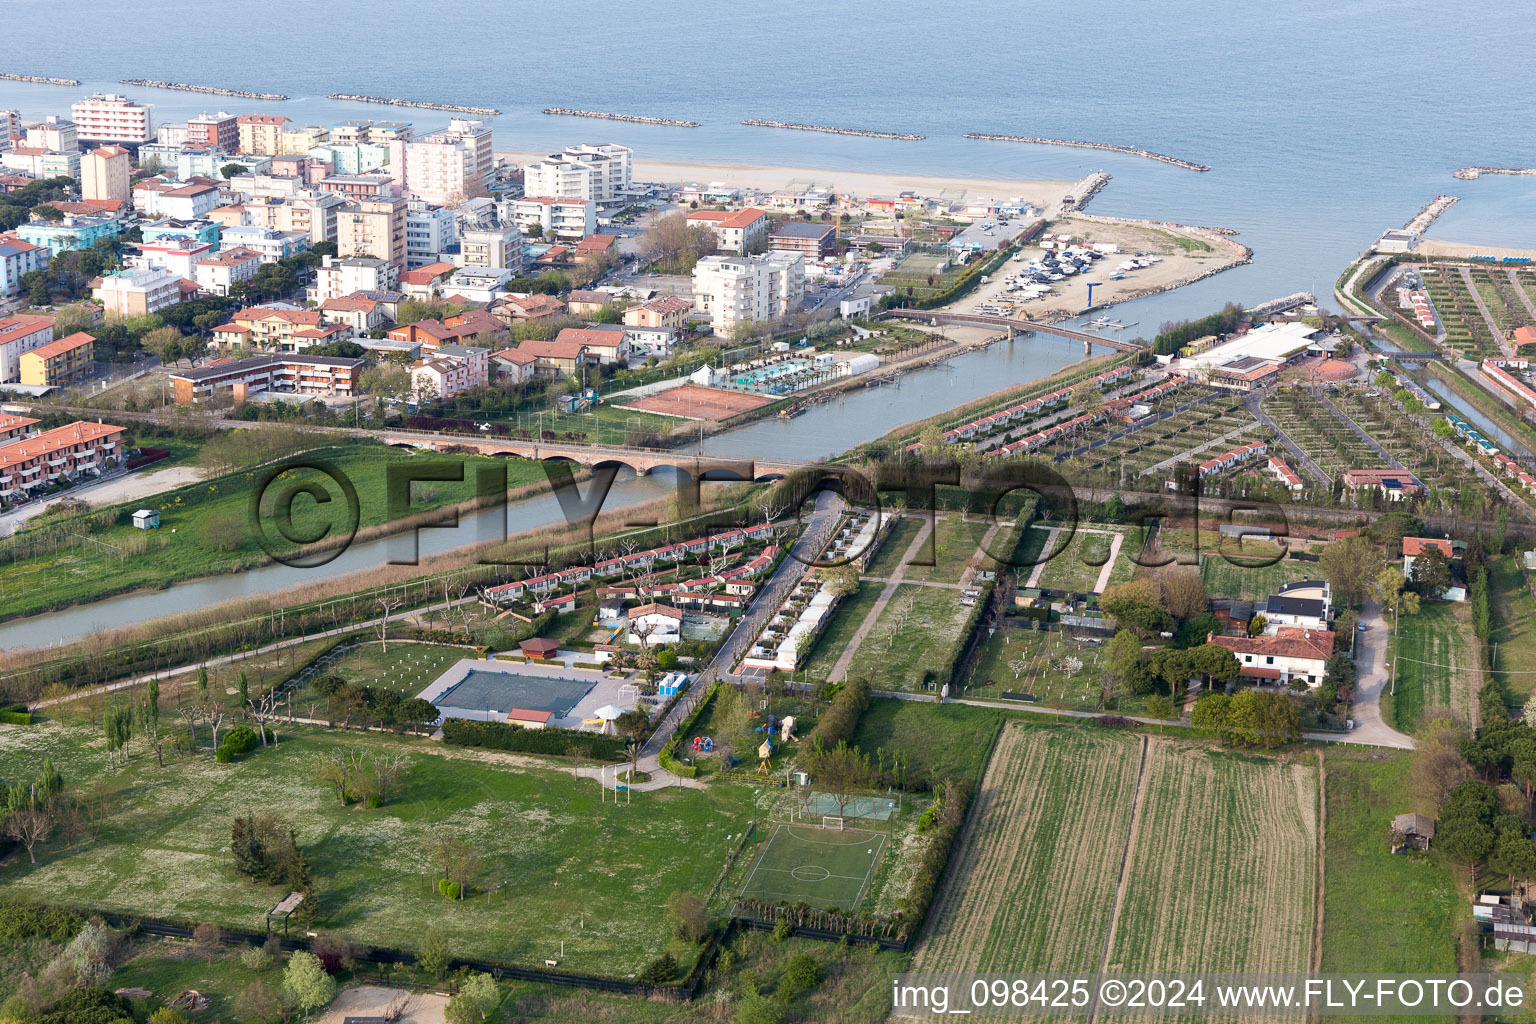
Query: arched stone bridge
x: 641, y: 460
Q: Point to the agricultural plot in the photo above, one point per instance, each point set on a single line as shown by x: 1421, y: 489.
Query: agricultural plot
x: 1406, y: 442
x: 1081, y: 565
x: 1456, y: 292
x: 1226, y: 577
x: 915, y: 641
x: 1222, y: 866
x: 1056, y: 669
x: 937, y: 741
x: 1382, y: 912
x: 1319, y: 433
x: 1156, y: 442
x: 921, y: 274
x: 1514, y: 628
x: 1031, y: 886
x: 559, y: 863
x: 1436, y: 666
x: 893, y: 550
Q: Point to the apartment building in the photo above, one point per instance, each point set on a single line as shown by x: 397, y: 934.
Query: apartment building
x: 492, y: 247
x: 272, y: 245
x: 274, y: 326
x: 373, y: 185
x: 18, y: 257
x: 55, y: 133
x: 58, y: 362
x: 312, y: 214
x: 567, y: 219
x: 216, y: 131
x: 20, y: 334
x: 63, y: 453
x: 140, y: 291
x: 667, y: 311
x: 428, y: 231
x: 108, y: 117
x: 69, y: 233
x: 812, y: 241
x: 261, y: 134
x: 336, y: 277
x: 287, y: 373
x: 359, y: 311
x: 299, y: 141
x: 450, y: 370
x: 105, y: 173
x: 736, y: 231
x: 735, y: 289
x: 383, y: 132
x: 10, y: 128
x: 36, y: 162
x: 176, y: 253
x: 373, y: 227
x: 601, y: 173
x: 446, y: 167
x: 187, y: 202
x: 217, y: 274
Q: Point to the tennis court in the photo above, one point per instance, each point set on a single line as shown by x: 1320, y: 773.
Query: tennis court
x: 822, y: 867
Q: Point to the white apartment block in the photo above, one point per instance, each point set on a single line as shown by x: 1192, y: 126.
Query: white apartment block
x: 733, y: 289
x: 601, y: 173
x: 138, y: 291
x: 216, y: 274
x: 428, y: 231
x: 566, y: 219
x: 20, y: 334
x: 17, y: 258
x: 108, y: 117
x: 446, y: 167
x: 311, y: 213
x: 10, y: 127
x: 492, y: 247
x: 176, y: 253
x: 55, y: 133
x: 337, y: 277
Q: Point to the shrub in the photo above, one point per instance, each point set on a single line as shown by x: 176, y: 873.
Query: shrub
x: 255, y: 958
x: 223, y: 755
x: 781, y: 930
x: 20, y: 921
x: 15, y: 714
x: 240, y: 739
x: 500, y: 736
x: 659, y: 971
x: 169, y: 1015
x: 803, y: 971
x: 839, y: 721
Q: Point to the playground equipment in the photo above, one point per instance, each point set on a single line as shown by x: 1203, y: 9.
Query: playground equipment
x: 764, y: 752
x: 703, y: 744
x: 592, y: 721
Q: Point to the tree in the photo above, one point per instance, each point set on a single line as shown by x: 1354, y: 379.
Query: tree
x: 1393, y: 598
x: 432, y: 956
x: 1210, y: 711
x: 1258, y: 624
x: 1431, y: 572
x: 1442, y: 429
x: 1183, y: 592
x: 690, y: 917
x: 208, y: 938
x: 476, y: 998
x: 92, y: 953
x: 257, y: 1002
x: 754, y: 1008
x: 1439, y: 765
x: 1514, y: 856
x: 305, y: 984
x: 659, y: 971
x: 231, y: 170
x: 1350, y: 565
x: 29, y: 826
x: 633, y: 725
x: 840, y: 773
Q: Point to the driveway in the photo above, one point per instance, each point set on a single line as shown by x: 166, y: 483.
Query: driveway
x: 1371, y: 680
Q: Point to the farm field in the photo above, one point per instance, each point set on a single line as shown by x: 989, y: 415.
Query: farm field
x: 1322, y: 435
x: 558, y: 864
x: 1157, y: 441
x: 1222, y: 867
x: 1437, y: 665
x: 1030, y: 887
x: 914, y: 641
x: 1022, y: 660
x: 1383, y: 912
x: 894, y: 548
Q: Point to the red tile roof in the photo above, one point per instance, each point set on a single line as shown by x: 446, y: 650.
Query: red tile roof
x: 62, y: 345
x: 1413, y: 547
x: 13, y: 327
x: 512, y: 355
x: 1288, y: 642
x: 427, y: 274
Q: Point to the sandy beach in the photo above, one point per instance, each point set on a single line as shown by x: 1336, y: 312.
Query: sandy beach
x: 857, y: 183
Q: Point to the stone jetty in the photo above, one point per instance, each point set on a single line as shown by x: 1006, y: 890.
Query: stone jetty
x: 1107, y: 147
x: 39, y: 79
x: 1427, y: 216
x: 207, y: 90
x: 905, y: 136
x: 1473, y: 173
x: 1077, y: 197
x: 635, y: 118
x: 390, y: 101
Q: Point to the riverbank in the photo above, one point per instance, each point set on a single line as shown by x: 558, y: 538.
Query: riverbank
x: 856, y: 183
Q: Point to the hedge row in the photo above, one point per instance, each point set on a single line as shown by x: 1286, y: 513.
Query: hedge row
x: 839, y: 722
x: 463, y: 732
x: 20, y: 921
x: 16, y: 714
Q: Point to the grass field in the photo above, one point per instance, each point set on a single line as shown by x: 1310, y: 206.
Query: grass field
x: 1243, y: 582
x: 918, y: 635
x: 559, y: 864
x: 1383, y: 912
x: 846, y: 620
x: 1222, y: 869
x: 822, y: 867
x: 1437, y: 665
x: 1031, y: 886
x: 1514, y: 627
x: 1026, y: 661
x: 894, y: 548
x: 943, y: 741
x: 955, y: 544
x: 206, y: 528
x: 1081, y: 563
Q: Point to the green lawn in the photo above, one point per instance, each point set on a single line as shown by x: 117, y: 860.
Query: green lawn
x: 206, y: 527
x: 919, y: 634
x: 955, y: 543
x: 1514, y: 627
x: 1027, y: 661
x: 1383, y: 912
x: 559, y: 864
x: 846, y: 620
x: 942, y: 741
x: 406, y: 668
x: 1078, y: 567
x: 1241, y: 582
x: 894, y: 548
x: 1436, y: 665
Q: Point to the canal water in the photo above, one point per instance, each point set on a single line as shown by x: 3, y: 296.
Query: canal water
x: 821, y: 431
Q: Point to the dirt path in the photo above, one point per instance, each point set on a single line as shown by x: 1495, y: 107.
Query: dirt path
x: 1482, y: 307
x: 1322, y: 860
x: 1114, y: 553
x: 1034, y: 574
x: 1125, y: 865
x: 840, y: 669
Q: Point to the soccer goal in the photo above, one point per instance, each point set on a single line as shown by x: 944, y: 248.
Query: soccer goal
x: 832, y: 822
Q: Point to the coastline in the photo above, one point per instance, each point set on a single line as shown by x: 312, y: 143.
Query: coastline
x: 769, y: 177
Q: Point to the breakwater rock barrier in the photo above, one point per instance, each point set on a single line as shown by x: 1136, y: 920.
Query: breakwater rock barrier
x: 1431, y: 212
x: 1108, y: 147
x: 390, y: 101
x: 1473, y: 173
x: 905, y: 136
x: 208, y: 90
x: 38, y: 79
x: 635, y: 118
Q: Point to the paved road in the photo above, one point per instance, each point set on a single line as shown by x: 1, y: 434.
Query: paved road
x: 1252, y: 401
x: 1371, y: 680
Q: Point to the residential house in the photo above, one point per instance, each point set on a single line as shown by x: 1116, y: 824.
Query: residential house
x: 513, y: 366
x: 736, y: 231
x: 512, y: 309
x: 479, y: 285
x: 275, y: 326
x: 811, y: 240
x: 448, y: 371
x: 272, y: 245
x: 69, y: 233
x: 18, y: 257
x: 1304, y: 603
x: 477, y: 324
x: 652, y: 341
x: 584, y: 302
x: 603, y: 343
x: 654, y: 624
x: 58, y: 362
x: 595, y: 247
x: 337, y: 277
x: 357, y: 311
x: 554, y: 358
x: 140, y: 291
x: 665, y: 311
x: 1292, y: 654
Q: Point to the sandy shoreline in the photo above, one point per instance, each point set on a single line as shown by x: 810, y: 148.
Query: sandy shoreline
x: 857, y: 183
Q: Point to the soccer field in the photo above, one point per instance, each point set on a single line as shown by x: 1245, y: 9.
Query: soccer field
x: 823, y: 867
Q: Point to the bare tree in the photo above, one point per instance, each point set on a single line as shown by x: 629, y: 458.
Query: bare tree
x: 29, y: 826
x: 387, y: 603
x: 388, y: 767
